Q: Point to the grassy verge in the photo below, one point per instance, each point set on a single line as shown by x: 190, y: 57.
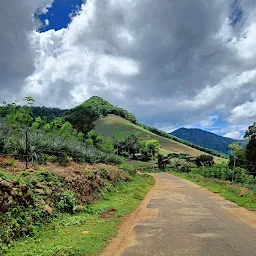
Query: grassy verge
x: 88, y: 232
x: 240, y: 195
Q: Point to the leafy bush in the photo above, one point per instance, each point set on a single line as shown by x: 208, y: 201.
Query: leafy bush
x: 66, y: 202
x: 204, y: 160
x: 130, y: 169
x: 223, y: 172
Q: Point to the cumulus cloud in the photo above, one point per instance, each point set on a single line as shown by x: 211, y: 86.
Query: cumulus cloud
x: 209, y: 121
x: 170, y: 62
x: 244, y: 112
x: 234, y: 135
x: 17, y: 54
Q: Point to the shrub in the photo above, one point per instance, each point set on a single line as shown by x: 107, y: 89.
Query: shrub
x: 204, y: 160
x: 130, y: 169
x: 66, y: 202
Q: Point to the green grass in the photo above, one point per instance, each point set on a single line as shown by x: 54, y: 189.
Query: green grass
x: 63, y: 236
x: 120, y: 128
x: 231, y: 192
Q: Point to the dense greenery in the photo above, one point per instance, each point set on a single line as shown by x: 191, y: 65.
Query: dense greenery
x: 205, y: 139
x: 84, y: 116
x: 46, y: 113
x: 141, y: 150
x: 55, y: 141
x: 250, y: 152
x: 224, y: 173
x: 27, y: 212
x: 245, y: 158
x: 64, y: 235
x: 169, y: 136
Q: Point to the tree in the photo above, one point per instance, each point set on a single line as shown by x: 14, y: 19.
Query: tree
x: 204, y: 160
x: 132, y: 145
x: 250, y: 152
x: 153, y: 147
x: 162, y: 161
x: 108, y: 146
x: 82, y: 119
x: 94, y: 139
x: 20, y: 117
x: 237, y: 158
x: 144, y: 152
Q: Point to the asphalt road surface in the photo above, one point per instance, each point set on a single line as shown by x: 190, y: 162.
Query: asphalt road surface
x: 179, y: 218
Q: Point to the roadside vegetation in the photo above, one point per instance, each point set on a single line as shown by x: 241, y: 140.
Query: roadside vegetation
x: 243, y: 196
x: 235, y: 181
x: 86, y: 232
x: 57, y: 186
x: 24, y: 136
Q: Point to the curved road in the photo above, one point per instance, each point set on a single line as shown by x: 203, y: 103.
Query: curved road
x: 179, y: 218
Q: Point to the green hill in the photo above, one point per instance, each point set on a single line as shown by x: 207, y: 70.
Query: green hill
x: 205, y: 139
x: 115, y: 122
x: 118, y: 128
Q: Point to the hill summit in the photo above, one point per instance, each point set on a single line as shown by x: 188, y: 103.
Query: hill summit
x: 103, y: 108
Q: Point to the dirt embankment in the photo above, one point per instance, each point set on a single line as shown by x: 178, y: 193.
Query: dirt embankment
x: 29, y: 198
x: 85, y: 181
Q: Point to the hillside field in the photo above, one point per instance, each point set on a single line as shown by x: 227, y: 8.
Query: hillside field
x: 119, y: 128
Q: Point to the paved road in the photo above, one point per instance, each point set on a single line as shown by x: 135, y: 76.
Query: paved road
x: 188, y: 221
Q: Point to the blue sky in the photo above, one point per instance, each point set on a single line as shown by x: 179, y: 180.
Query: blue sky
x: 59, y: 14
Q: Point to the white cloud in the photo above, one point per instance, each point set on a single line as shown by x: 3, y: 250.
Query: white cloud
x: 209, y: 121
x: 244, y: 112
x: 17, y: 55
x: 47, y: 22
x: 171, y: 62
x: 234, y: 135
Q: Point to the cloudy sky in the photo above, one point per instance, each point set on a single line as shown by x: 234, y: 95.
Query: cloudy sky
x: 173, y: 63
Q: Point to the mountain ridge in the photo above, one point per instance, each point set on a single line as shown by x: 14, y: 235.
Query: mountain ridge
x: 205, y: 139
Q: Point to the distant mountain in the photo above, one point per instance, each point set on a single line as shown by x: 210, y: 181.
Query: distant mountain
x: 204, y: 139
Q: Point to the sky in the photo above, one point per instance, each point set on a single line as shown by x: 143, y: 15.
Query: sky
x: 172, y: 63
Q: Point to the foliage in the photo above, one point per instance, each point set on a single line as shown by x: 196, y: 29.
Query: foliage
x: 153, y: 146
x: 223, y: 172
x: 148, y: 149
x: 130, y: 169
x: 102, y: 108
x: 237, y: 157
x: 66, y: 202
x: 130, y: 145
x: 19, y: 117
x: 54, y: 141
x: 162, y: 161
x: 82, y: 118
x: 107, y: 146
x: 63, y: 235
x: 250, y: 152
x: 204, y: 160
x: 94, y: 139
x: 27, y: 212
